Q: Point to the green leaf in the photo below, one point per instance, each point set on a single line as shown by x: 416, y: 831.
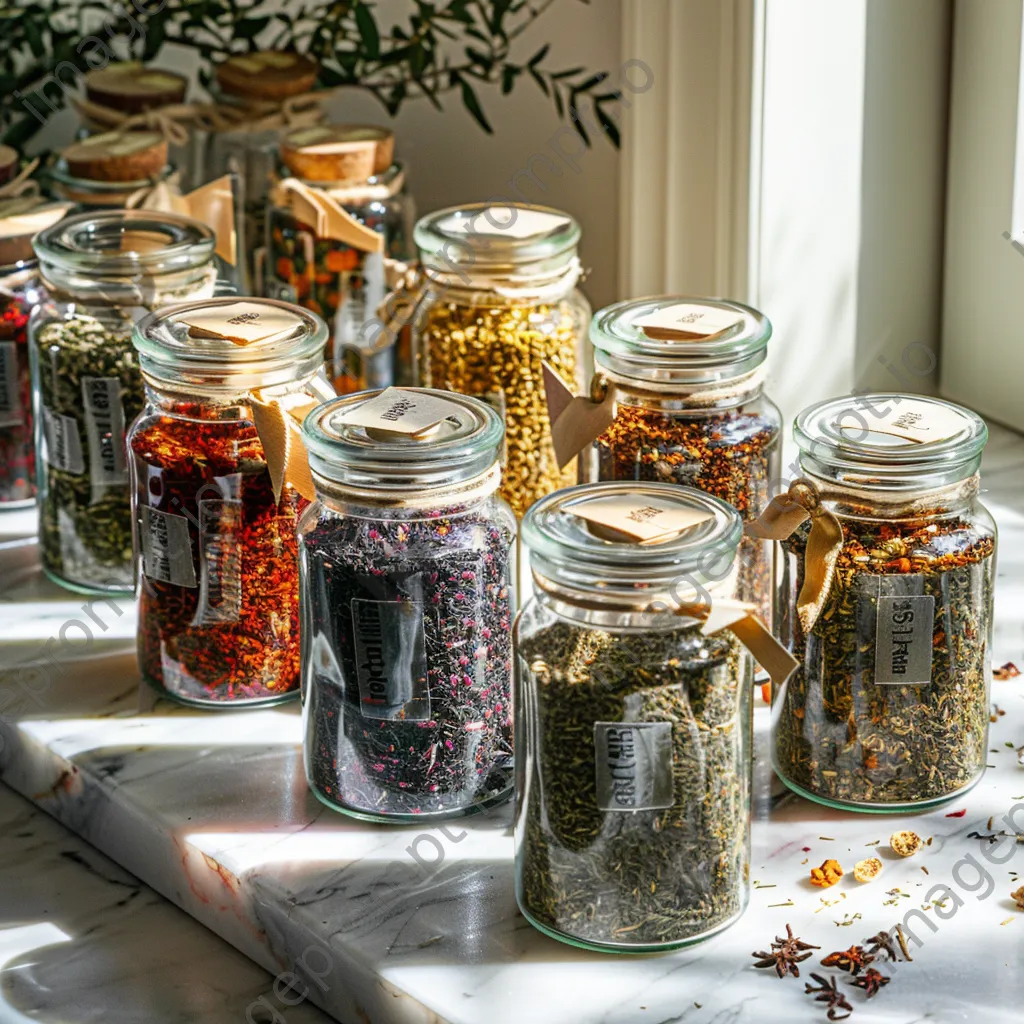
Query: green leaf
x: 539, y: 79
x: 34, y: 37
x: 568, y: 73
x: 249, y: 28
x: 611, y: 129
x: 472, y: 104
x: 367, y: 26
x: 539, y: 55
x: 509, y: 74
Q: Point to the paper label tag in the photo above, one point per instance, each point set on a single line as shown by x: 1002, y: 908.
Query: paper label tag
x: 10, y: 389
x: 241, y: 323
x: 633, y: 762
x: 166, y: 548
x: 220, y: 562
x: 904, y: 626
x: 143, y: 241
x: 688, y: 320
x: 909, y: 418
x: 104, y: 431
x: 505, y: 222
x: 391, y: 660
x: 398, y: 411
x: 63, y: 443
x: 576, y: 421
x: 639, y: 518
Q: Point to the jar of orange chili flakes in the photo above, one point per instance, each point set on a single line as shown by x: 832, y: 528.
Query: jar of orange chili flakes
x: 330, y: 227
x: 218, y: 480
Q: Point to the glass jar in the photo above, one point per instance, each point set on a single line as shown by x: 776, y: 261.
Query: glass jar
x: 407, y: 607
x: 501, y: 299
x: 20, y: 292
x: 102, y: 272
x: 215, y: 545
x: 634, y: 732
x: 691, y: 410
x: 889, y: 709
x: 342, y: 283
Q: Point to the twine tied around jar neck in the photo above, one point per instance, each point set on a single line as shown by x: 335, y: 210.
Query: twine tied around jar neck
x: 465, y: 493
x: 169, y: 121
x: 22, y: 187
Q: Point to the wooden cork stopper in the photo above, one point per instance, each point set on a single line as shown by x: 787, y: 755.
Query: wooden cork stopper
x: 133, y: 88
x: 338, y: 152
x: 9, y: 161
x: 270, y: 75
x: 112, y: 156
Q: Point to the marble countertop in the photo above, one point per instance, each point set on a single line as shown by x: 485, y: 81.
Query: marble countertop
x: 418, y: 925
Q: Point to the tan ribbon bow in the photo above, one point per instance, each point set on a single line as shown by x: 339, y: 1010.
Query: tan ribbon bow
x: 824, y: 542
x: 576, y: 420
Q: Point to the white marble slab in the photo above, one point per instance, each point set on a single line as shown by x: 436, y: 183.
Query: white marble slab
x: 212, y: 811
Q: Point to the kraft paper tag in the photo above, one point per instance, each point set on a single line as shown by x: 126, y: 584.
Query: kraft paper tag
x: 688, y: 320
x: 212, y: 204
x: 241, y: 323
x: 396, y: 411
x: 279, y: 425
x: 576, y: 421
x: 325, y: 216
x: 518, y: 222
x: 637, y: 517
x: 908, y: 418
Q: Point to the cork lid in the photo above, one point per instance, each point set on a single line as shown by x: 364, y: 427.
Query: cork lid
x: 18, y: 230
x: 131, y: 87
x: 118, y: 156
x: 338, y: 152
x: 9, y: 161
x: 267, y: 75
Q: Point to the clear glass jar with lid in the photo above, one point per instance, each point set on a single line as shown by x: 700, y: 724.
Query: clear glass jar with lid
x: 688, y: 380
x: 342, y: 278
x: 500, y: 300
x: 214, y: 517
x: 407, y: 607
x: 633, y: 726
x: 889, y: 709
x: 101, y: 272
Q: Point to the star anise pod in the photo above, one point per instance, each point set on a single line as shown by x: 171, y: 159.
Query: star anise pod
x: 827, y: 991
x: 852, y: 960
x: 785, y: 955
x: 882, y: 943
x: 871, y: 981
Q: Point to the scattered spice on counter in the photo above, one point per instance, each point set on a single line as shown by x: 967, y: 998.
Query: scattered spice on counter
x: 1018, y: 897
x: 881, y: 943
x: 827, y: 875
x: 826, y: 991
x: 871, y: 981
x: 218, y: 619
x: 957, y: 814
x: 866, y: 870
x: 844, y: 737
x: 17, y: 454
x: 728, y: 455
x: 904, y: 844
x: 852, y: 960
x: 1004, y: 672
x: 786, y: 954
x: 901, y: 938
x: 848, y: 920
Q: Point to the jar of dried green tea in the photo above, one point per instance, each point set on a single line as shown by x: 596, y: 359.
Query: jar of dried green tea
x: 889, y: 709
x: 102, y: 273
x: 633, y: 723
x: 500, y: 300
x: 687, y: 377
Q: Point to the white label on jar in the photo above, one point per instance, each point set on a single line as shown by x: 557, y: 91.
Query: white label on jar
x: 688, y: 320
x: 241, y: 323
x: 505, y: 222
x: 400, y: 411
x: 104, y: 431
x: 904, y: 626
x: 10, y: 390
x: 220, y: 562
x: 63, y: 442
x: 633, y: 762
x: 391, y: 660
x: 638, y: 518
x: 917, y: 420
x: 166, y: 548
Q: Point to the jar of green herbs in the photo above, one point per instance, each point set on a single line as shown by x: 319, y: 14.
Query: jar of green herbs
x: 633, y: 722
x: 102, y: 272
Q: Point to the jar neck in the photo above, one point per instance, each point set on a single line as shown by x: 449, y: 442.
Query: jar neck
x: 610, y: 618
x: 146, y: 291
x: 213, y: 399
x: 857, y: 498
x: 666, y: 392
x: 450, y: 499
x: 516, y: 284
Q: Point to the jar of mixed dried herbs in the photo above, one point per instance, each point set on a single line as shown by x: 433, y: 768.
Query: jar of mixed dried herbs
x: 500, y: 300
x: 407, y: 607
x: 102, y: 272
x: 216, y: 495
x: 334, y: 269
x: 889, y: 709
x: 633, y: 726
x: 687, y: 376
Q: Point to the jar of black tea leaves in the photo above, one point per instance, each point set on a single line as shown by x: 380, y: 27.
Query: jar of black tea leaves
x: 406, y: 604
x: 889, y: 709
x: 633, y: 722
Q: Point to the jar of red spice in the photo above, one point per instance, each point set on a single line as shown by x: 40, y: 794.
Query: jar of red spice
x: 407, y: 606
x: 217, y: 485
x: 328, y: 255
x: 885, y: 600
x: 687, y: 379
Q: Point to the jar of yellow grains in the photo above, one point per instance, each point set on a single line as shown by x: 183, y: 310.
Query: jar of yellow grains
x: 499, y: 300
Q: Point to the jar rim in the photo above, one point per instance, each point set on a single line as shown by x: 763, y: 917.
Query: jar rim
x: 85, y: 243
x: 467, y: 446
x: 563, y: 549
x: 823, y: 442
x: 623, y: 347
x: 112, y: 190
x: 482, y: 239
